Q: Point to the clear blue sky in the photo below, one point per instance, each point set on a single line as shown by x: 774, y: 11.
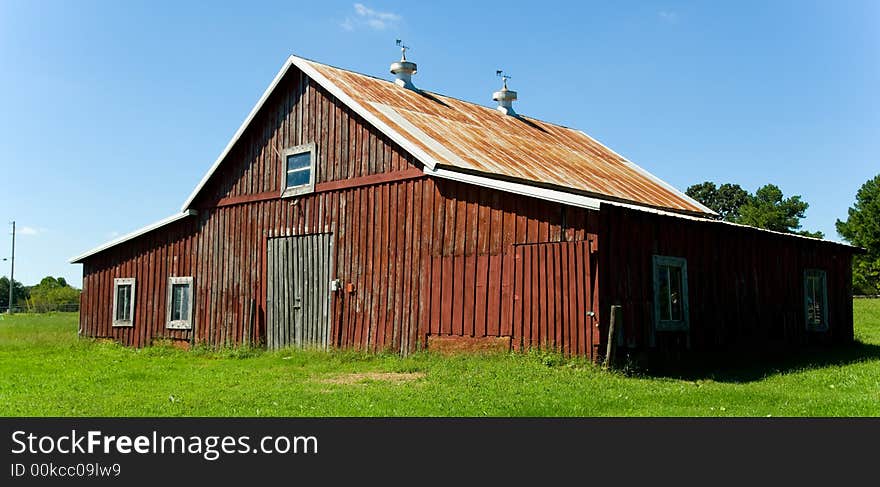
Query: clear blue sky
x: 111, y: 112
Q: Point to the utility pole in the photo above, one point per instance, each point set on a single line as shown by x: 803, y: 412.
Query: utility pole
x: 11, y: 270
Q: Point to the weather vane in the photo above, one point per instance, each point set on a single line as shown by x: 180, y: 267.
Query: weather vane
x: 504, y: 77
x: 403, y: 49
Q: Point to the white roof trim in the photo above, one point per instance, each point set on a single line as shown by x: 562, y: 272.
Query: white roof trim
x: 518, y: 188
x: 328, y: 85
x: 653, y: 177
x: 591, y: 203
x: 657, y: 211
x: 136, y: 233
x: 239, y: 132
x: 553, y: 195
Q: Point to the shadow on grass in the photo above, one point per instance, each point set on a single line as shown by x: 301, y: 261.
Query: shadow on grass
x: 733, y: 367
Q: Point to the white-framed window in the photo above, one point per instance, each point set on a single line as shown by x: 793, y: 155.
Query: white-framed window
x: 123, y: 301
x: 670, y: 294
x: 299, y: 169
x: 180, y: 292
x: 815, y: 300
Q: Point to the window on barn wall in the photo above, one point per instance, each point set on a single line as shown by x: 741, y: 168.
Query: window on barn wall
x: 123, y: 302
x: 815, y: 300
x: 299, y: 170
x: 180, y: 303
x: 670, y: 294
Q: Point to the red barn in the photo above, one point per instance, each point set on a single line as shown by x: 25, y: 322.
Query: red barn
x: 350, y: 211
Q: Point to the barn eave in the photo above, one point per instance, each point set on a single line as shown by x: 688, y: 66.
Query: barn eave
x: 130, y: 236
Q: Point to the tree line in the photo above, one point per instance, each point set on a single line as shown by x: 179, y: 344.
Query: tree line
x: 768, y: 208
x: 51, y: 294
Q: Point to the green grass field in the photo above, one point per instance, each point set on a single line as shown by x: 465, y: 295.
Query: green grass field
x: 46, y: 371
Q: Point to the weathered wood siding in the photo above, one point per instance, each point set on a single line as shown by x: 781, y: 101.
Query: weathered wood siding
x: 554, y: 297
x: 745, y: 287
x: 151, y: 260
x: 300, y: 112
x: 420, y: 256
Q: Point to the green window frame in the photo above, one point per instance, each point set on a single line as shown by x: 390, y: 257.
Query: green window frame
x: 815, y: 300
x: 670, y: 294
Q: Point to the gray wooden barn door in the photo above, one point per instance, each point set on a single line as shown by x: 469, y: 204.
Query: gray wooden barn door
x: 298, y: 291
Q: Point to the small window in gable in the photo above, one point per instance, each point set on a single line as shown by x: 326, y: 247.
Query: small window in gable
x: 670, y: 294
x: 180, y: 303
x: 123, y: 302
x: 299, y: 170
x: 815, y: 300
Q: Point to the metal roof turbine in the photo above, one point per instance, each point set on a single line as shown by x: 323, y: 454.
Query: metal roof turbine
x: 504, y: 97
x: 403, y: 69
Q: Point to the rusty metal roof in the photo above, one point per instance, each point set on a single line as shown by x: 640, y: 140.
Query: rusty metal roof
x: 471, y: 137
x: 477, y: 144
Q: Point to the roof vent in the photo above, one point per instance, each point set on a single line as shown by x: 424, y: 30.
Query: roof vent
x: 403, y: 69
x: 504, y: 97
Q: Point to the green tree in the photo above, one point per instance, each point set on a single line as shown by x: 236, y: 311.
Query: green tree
x: 52, y: 294
x: 19, y: 293
x: 725, y: 200
x: 49, y: 282
x: 768, y: 208
x: 862, y: 229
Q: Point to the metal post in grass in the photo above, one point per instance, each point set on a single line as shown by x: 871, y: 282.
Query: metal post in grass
x: 616, y: 320
x: 11, y: 271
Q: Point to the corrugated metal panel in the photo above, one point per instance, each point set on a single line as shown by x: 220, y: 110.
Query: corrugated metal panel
x: 477, y: 138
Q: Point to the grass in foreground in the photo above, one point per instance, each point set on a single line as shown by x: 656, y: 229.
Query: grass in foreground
x: 46, y: 371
